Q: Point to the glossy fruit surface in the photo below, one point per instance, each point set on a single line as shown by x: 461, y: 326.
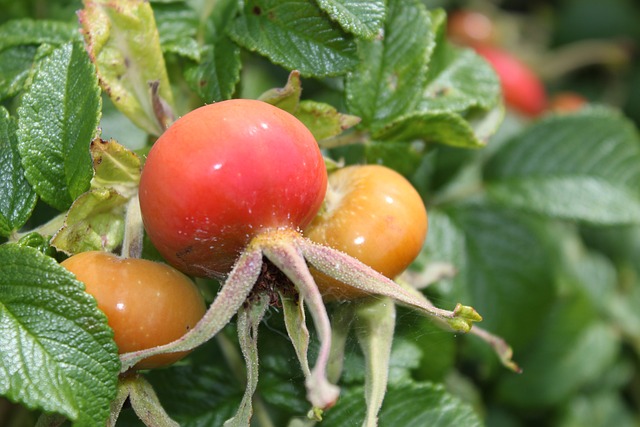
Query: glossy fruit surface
x: 146, y: 303
x: 521, y: 87
x: 375, y: 215
x: 221, y: 175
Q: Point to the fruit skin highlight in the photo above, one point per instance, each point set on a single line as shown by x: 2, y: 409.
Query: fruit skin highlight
x: 221, y: 175
x: 147, y: 304
x: 374, y: 214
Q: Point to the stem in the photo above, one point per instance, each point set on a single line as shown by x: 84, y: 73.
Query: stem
x: 232, y: 295
x: 289, y: 260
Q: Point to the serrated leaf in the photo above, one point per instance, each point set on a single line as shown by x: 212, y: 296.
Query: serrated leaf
x: 215, y: 76
x: 17, y: 197
x: 390, y: 76
x: 581, y: 167
x: 15, y: 64
x: 123, y: 42
x: 323, y: 120
x: 408, y: 404
x: 20, y: 32
x: 115, y: 167
x: 58, y: 353
x: 296, y: 35
x: 57, y: 119
x: 95, y: 222
x: 364, y: 18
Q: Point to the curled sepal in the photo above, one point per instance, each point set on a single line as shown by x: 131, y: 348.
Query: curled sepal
x: 500, y: 346
x: 362, y: 277
x: 320, y: 392
x: 249, y: 318
x: 375, y: 323
x: 233, y: 294
x: 144, y: 401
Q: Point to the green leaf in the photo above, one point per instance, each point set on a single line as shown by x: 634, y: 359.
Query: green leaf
x: 123, y: 42
x: 177, y: 29
x: 17, y: 197
x: 199, y: 393
x: 20, y: 32
x: 506, y: 270
x: 573, y: 350
x: 580, y: 167
x: 95, y: 221
x: 390, y: 77
x: 58, y: 118
x: 297, y: 35
x: 364, y: 18
x: 15, y: 64
x: 408, y: 404
x: 58, y: 351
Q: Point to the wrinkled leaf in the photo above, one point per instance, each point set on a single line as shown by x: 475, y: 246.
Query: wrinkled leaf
x: 57, y: 119
x: 58, y: 351
x: 123, y: 42
x: 115, y: 167
x: 364, y: 18
x: 297, y: 35
x: 215, y: 76
x: 95, y: 221
x: 390, y: 78
x: 17, y: 198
